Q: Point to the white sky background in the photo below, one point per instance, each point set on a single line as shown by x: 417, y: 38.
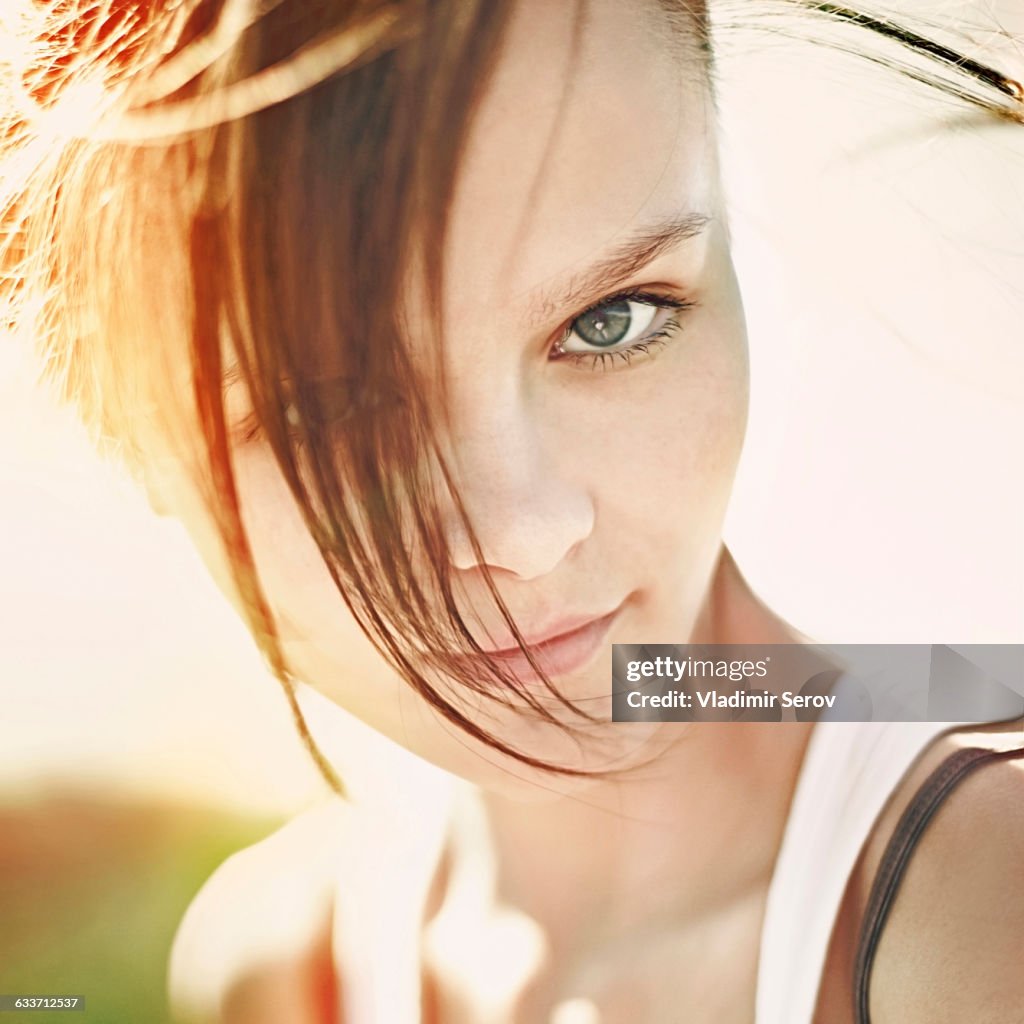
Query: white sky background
x: 880, y: 497
x: 881, y: 253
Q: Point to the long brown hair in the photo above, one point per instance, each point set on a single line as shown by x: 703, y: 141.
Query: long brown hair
x: 272, y: 179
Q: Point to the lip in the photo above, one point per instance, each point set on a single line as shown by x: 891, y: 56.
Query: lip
x: 567, y: 648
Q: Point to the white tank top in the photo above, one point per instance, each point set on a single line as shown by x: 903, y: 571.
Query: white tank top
x: 849, y: 771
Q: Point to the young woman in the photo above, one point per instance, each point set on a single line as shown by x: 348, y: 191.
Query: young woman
x: 422, y: 319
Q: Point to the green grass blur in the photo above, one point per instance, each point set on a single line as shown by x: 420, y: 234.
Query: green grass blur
x: 91, y: 892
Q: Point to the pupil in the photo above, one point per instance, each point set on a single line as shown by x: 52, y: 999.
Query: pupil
x: 606, y: 325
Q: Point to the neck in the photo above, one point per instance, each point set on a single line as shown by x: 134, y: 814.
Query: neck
x: 693, y: 833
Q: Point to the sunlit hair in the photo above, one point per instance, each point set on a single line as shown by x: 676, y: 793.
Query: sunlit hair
x: 255, y: 187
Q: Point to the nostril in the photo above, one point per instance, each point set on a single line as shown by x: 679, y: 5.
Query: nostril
x: 524, y: 540
x: 521, y: 504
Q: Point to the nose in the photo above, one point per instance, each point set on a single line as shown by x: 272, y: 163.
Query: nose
x: 526, y: 513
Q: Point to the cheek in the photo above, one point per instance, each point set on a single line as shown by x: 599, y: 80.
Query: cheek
x: 698, y: 416
x: 321, y: 640
x: 295, y: 579
x: 699, y: 408
x: 671, y: 432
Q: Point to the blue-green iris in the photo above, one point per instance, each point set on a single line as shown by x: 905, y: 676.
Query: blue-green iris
x: 604, y: 325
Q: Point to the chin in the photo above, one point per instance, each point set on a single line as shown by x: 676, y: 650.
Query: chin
x: 601, y: 753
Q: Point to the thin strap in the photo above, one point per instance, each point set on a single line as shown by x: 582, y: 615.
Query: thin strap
x: 912, y: 824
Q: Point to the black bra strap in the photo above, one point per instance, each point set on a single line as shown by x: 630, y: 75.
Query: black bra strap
x: 912, y: 824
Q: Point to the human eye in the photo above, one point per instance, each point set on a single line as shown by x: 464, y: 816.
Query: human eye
x: 244, y: 426
x: 620, y: 327
x: 310, y: 410
x: 249, y: 429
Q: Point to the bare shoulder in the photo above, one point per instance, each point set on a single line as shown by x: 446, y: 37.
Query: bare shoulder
x: 261, y: 919
x: 953, y: 947
x: 264, y: 940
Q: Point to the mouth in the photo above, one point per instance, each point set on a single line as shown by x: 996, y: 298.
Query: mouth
x: 568, y: 648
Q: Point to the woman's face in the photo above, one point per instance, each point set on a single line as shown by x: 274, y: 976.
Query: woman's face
x: 594, y: 453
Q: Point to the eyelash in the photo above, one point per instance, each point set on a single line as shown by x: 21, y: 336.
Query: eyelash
x: 250, y: 429
x: 643, y: 347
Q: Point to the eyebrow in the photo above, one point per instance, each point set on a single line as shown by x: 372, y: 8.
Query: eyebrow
x: 620, y: 264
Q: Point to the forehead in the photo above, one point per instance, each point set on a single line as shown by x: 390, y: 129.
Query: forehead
x: 596, y: 119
